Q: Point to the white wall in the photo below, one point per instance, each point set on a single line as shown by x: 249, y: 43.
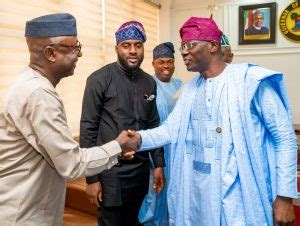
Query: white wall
x: 283, y: 56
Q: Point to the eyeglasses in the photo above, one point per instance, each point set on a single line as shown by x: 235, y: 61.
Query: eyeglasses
x: 76, y: 47
x: 186, y: 46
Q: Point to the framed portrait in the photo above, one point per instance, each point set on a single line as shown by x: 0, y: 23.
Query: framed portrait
x: 257, y: 23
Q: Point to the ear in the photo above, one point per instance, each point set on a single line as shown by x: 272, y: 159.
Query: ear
x: 214, y: 47
x: 49, y: 53
x: 231, y: 57
x: 116, y: 49
x: 153, y: 63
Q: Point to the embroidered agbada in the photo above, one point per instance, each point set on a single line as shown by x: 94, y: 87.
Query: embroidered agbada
x: 236, y: 161
x: 154, y: 210
x: 38, y: 153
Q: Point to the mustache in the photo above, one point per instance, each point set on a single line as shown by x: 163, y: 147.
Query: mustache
x: 124, y: 63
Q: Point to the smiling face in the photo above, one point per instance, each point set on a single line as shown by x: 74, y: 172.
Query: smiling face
x: 164, y: 68
x: 130, y: 54
x: 67, y: 52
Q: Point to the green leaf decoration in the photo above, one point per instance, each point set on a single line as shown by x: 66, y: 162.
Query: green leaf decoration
x: 293, y: 16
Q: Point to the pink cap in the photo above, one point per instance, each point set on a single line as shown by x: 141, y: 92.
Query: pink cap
x: 202, y: 29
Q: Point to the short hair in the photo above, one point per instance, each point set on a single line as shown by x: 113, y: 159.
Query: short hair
x: 258, y: 12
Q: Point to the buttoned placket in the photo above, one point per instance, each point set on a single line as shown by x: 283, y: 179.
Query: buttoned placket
x: 135, y: 102
x: 208, y: 96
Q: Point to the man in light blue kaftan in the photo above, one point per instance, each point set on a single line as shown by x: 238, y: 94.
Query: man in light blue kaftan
x: 233, y: 145
x: 154, y: 210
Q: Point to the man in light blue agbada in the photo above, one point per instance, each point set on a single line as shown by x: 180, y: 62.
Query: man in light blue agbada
x: 154, y: 210
x: 233, y: 145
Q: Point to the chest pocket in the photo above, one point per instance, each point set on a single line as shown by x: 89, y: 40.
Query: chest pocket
x: 211, y: 140
x: 208, y: 137
x: 147, y: 103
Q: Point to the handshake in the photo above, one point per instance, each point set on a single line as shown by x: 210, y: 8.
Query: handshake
x: 129, y: 141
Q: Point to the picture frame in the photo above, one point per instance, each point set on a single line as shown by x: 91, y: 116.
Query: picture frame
x: 257, y: 23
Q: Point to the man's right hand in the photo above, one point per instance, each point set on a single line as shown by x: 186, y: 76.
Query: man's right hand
x: 128, y: 142
x: 94, y: 193
x: 136, y: 135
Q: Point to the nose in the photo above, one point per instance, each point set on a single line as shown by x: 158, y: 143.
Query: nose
x: 184, y: 52
x: 79, y: 54
x: 166, y: 65
x: 132, y: 49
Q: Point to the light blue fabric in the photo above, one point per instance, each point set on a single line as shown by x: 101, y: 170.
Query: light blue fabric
x: 203, y: 152
x: 154, y: 210
x: 256, y: 152
x: 165, y: 96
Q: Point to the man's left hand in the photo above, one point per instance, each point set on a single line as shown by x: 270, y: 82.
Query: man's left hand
x: 284, y: 214
x: 158, y: 179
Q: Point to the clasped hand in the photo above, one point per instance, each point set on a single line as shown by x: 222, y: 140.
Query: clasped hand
x: 129, y: 141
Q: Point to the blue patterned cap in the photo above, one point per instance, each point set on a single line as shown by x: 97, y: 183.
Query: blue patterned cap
x: 52, y: 25
x: 131, y: 30
x: 224, y: 41
x: 164, y: 50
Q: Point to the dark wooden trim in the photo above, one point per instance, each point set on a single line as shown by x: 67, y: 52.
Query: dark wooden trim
x: 273, y: 16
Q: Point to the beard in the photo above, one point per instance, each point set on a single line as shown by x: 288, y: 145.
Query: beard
x: 69, y: 71
x: 127, y: 66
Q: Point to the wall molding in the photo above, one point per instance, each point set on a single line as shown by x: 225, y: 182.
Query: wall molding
x: 247, y: 51
x: 194, y: 5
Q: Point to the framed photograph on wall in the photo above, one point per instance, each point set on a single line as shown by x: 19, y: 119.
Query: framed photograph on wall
x: 257, y: 23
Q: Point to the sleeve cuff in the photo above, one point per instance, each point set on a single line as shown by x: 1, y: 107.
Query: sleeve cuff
x: 288, y: 192
x: 158, y: 157
x: 112, y: 148
x: 92, y: 180
x: 159, y: 162
x: 113, y: 151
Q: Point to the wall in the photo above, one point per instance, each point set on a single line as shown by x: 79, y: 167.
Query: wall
x: 282, y: 56
x: 97, y: 21
x: 15, y: 56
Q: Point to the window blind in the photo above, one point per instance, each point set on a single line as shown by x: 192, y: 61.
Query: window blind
x: 97, y: 21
